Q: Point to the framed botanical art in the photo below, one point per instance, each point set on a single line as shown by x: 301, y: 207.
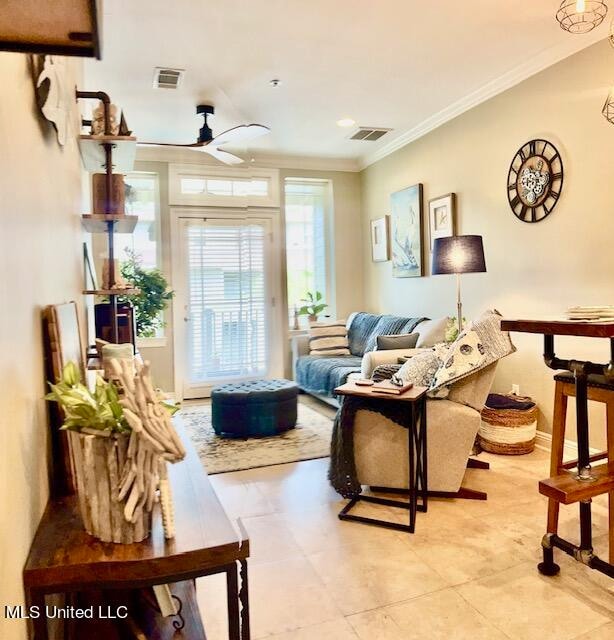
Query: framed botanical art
x: 442, y: 217
x: 380, y: 239
x: 406, y: 223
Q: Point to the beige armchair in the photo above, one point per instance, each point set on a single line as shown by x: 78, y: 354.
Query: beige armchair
x: 380, y: 445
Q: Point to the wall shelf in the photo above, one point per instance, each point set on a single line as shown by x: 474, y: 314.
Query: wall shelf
x: 93, y: 154
x: 98, y: 223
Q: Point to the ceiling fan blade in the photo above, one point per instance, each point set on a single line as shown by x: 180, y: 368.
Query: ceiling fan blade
x: 239, y: 135
x: 194, y: 145
x: 223, y: 156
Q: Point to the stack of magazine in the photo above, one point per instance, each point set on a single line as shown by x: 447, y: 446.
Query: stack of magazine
x: 591, y: 314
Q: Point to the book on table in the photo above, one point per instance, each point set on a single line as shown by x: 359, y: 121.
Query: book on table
x: 387, y: 387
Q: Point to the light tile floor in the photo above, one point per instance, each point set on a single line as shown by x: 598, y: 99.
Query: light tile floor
x: 469, y: 571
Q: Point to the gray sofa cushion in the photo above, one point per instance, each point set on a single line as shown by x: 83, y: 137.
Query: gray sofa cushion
x: 321, y: 374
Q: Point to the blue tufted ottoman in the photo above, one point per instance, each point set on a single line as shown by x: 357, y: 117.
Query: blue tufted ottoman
x: 256, y: 408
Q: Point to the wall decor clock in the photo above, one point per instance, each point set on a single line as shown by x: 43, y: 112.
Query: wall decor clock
x: 535, y: 180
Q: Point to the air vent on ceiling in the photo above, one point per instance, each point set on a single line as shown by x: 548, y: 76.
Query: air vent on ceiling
x: 165, y: 78
x: 369, y: 134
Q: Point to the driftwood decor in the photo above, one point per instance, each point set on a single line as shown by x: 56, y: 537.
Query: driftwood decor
x: 121, y: 438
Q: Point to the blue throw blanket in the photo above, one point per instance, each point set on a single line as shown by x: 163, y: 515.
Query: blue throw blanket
x: 321, y: 374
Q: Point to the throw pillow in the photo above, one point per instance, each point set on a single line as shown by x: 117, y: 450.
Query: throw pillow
x: 328, y: 339
x: 402, y: 341
x: 421, y: 369
x: 432, y: 332
x: 479, y: 345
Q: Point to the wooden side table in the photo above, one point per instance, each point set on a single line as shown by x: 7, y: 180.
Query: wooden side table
x: 586, y: 482
x: 65, y: 559
x: 415, y: 423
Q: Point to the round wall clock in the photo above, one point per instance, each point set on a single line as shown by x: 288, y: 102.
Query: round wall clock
x: 535, y: 181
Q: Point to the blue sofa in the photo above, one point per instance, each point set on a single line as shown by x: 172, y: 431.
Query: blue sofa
x: 319, y: 375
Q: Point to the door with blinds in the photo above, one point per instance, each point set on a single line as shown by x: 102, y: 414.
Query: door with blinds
x: 227, y: 302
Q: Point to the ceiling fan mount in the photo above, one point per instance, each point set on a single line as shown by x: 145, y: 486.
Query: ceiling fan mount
x: 205, y: 134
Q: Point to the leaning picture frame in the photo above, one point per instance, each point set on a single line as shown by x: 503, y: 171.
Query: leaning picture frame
x: 380, y: 239
x: 442, y: 217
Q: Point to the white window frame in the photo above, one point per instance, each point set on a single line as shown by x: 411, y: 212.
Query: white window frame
x: 329, y: 248
x: 277, y: 326
x: 178, y: 171
x: 159, y: 340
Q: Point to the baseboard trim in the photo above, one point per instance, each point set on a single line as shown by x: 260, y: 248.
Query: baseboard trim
x: 543, y: 441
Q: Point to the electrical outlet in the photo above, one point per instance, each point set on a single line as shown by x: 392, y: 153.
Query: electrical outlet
x: 516, y: 389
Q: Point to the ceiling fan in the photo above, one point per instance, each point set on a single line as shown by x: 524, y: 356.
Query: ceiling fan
x: 211, y: 145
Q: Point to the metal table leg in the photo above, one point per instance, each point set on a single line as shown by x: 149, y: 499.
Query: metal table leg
x: 417, y: 476
x: 232, y: 595
x: 244, y: 599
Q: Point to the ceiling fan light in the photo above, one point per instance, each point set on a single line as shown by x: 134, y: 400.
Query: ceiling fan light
x: 581, y: 16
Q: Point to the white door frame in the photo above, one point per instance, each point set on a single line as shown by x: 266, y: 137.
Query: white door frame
x: 275, y: 332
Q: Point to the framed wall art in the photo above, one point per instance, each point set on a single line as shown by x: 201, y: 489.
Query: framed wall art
x: 442, y: 217
x: 406, y: 231
x: 380, y: 239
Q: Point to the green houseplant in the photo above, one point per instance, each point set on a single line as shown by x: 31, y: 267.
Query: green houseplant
x: 313, y: 306
x: 153, y: 296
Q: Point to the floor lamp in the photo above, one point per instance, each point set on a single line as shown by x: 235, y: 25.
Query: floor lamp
x: 458, y: 254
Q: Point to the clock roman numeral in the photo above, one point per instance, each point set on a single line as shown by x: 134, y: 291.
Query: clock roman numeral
x: 532, y: 150
x: 557, y: 176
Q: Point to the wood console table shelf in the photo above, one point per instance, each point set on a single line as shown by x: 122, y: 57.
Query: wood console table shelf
x: 585, y: 482
x: 65, y: 559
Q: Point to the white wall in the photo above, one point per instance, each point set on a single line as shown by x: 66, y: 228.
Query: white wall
x: 40, y: 263
x: 533, y: 269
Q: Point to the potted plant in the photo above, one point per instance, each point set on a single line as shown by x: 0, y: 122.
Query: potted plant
x: 313, y: 306
x: 153, y: 296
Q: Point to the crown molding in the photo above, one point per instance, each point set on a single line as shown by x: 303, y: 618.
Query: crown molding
x: 515, y: 76
x: 269, y: 161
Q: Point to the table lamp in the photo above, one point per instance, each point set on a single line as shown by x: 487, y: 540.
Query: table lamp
x: 458, y: 254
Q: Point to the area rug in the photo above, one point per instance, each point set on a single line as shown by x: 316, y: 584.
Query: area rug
x: 308, y: 440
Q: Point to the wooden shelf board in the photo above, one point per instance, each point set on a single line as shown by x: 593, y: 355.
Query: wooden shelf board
x: 93, y: 156
x: 110, y: 292
x: 97, y: 223
x: 565, y: 489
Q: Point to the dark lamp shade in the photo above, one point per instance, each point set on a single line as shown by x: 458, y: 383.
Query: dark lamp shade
x: 458, y: 254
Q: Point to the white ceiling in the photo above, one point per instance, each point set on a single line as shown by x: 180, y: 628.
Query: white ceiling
x: 404, y: 64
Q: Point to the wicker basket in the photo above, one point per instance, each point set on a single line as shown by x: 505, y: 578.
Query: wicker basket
x: 508, y: 431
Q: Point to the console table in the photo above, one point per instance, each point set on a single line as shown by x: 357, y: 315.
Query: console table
x: 586, y: 483
x: 415, y: 423
x: 65, y: 559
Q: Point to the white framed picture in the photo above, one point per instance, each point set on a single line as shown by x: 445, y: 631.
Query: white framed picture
x: 442, y: 217
x: 380, y: 239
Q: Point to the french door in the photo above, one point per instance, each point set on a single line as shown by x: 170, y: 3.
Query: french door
x: 227, y: 302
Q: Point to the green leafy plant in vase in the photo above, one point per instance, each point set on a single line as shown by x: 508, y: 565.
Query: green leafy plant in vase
x: 153, y: 297
x: 313, y: 306
x: 120, y: 438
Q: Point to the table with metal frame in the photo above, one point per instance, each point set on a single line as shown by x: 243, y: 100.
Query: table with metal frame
x: 415, y: 423
x: 584, y: 476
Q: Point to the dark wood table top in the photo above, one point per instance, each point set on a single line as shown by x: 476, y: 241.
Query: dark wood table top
x: 63, y: 555
x: 353, y: 389
x: 561, y: 327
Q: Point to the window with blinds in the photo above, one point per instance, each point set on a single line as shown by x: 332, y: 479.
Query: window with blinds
x: 306, y: 211
x: 226, y: 329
